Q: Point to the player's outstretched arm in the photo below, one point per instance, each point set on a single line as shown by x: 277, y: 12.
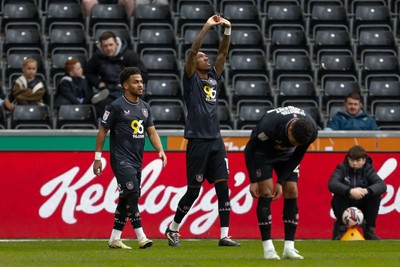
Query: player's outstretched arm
x: 190, y: 66
x: 223, y: 46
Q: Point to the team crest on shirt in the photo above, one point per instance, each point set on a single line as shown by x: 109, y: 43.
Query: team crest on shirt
x: 258, y: 173
x: 212, y: 81
x: 129, y: 185
x: 145, y: 112
x: 105, y: 115
x: 199, y: 178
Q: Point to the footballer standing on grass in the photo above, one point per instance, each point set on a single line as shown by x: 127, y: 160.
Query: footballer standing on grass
x: 127, y: 118
x: 278, y: 143
x: 206, y: 157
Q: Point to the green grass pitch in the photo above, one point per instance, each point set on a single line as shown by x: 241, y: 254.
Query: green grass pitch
x: 202, y: 252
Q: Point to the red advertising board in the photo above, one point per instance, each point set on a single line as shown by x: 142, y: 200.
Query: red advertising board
x: 55, y: 195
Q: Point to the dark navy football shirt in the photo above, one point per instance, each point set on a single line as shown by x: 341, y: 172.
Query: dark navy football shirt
x: 127, y: 122
x: 271, y: 131
x: 271, y: 139
x: 201, y: 98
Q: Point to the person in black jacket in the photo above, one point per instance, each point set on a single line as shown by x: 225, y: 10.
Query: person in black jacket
x: 355, y: 183
x: 106, y: 64
x: 73, y: 88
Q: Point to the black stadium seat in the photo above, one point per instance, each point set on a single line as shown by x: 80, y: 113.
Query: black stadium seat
x: 20, y: 12
x: 249, y: 112
x: 168, y: 114
x: 77, y: 117
x: 387, y: 115
x: 31, y: 117
x: 159, y: 60
x: 281, y: 51
x: 152, y: 13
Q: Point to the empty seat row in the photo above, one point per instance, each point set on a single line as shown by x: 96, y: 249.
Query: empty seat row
x: 41, y: 117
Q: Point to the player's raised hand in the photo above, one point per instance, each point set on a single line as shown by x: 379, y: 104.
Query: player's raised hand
x: 226, y: 23
x: 214, y: 20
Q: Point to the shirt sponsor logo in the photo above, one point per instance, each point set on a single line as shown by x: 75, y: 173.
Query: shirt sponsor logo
x: 138, y: 128
x: 211, y: 93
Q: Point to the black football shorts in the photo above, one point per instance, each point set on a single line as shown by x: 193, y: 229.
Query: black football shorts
x: 206, y: 160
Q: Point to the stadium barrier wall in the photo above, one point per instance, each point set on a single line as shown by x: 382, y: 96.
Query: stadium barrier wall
x: 49, y: 190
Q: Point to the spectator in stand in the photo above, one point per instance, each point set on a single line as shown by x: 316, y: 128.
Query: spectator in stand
x: 353, y: 117
x: 151, y: 2
x: 355, y: 183
x: 73, y: 88
x: 105, y: 65
x: 128, y: 4
x: 5, y: 102
x: 29, y: 88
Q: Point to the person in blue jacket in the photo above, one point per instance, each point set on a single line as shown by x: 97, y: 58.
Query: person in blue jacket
x: 353, y: 117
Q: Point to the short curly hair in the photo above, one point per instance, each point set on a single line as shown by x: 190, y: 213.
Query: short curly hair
x: 127, y: 72
x: 302, y: 131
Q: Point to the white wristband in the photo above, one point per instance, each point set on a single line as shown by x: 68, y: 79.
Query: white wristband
x: 97, y: 155
x: 227, y: 31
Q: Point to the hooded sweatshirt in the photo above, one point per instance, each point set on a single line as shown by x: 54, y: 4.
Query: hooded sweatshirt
x: 344, y: 121
x: 101, y: 68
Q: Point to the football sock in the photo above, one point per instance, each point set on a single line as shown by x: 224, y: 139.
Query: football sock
x: 139, y: 233
x: 264, y: 217
x: 224, y: 232
x: 174, y: 226
x: 120, y: 215
x: 133, y: 210
x: 224, y: 205
x: 288, y: 245
x: 186, y: 203
x: 290, y: 218
x: 268, y: 245
x: 115, y: 235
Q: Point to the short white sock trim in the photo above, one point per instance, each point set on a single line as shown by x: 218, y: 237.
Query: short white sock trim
x: 174, y: 226
x: 224, y: 232
x: 288, y: 245
x: 139, y: 233
x: 268, y: 245
x: 115, y: 235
